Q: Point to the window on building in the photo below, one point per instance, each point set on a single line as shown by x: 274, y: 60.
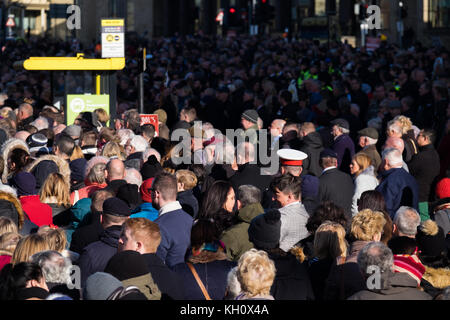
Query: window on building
x: 437, y: 13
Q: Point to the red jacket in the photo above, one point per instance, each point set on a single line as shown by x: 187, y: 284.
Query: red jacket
x: 38, y: 212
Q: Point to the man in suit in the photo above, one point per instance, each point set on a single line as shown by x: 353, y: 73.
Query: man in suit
x: 335, y: 185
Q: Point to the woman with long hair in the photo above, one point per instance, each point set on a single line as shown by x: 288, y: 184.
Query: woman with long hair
x: 364, y: 178
x: 56, y: 193
x: 218, y: 205
x: 329, y: 245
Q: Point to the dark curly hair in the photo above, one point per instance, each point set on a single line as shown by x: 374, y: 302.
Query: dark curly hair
x: 327, y: 210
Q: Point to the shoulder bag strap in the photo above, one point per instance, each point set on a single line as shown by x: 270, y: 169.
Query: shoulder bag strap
x: 199, y: 281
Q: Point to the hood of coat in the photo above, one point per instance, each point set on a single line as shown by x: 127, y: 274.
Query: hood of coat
x: 313, y: 140
x: 250, y: 211
x: 6, y: 150
x: 17, y: 205
x: 438, y: 277
x: 111, y: 236
x: 63, y: 166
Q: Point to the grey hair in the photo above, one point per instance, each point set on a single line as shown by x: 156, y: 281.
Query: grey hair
x: 149, y: 152
x: 407, y: 220
x: 344, y: 130
x: 395, y: 127
x: 55, y: 267
x: 97, y: 173
x: 249, y: 194
x: 233, y: 284
x: 393, y: 156
x: 133, y: 176
x: 124, y: 135
x: 139, y: 143
x: 40, y: 123
x: 375, y: 254
x: 371, y: 141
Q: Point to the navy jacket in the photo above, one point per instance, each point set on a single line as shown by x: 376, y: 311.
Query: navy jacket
x: 345, y: 149
x: 95, y: 256
x: 213, y: 275
x: 399, y: 188
x: 168, y: 282
x: 188, y: 202
x: 175, y: 227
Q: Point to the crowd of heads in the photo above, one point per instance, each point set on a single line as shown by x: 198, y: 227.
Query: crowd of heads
x: 371, y: 115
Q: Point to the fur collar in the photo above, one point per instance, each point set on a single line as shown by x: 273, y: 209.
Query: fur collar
x: 7, y: 148
x: 9, y: 197
x: 62, y: 164
x: 438, y: 277
x: 208, y: 256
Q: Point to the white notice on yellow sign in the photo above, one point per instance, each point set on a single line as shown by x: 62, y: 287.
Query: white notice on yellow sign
x: 113, y: 38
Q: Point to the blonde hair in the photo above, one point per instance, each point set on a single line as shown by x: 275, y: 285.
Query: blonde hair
x: 28, y: 246
x: 102, y: 115
x: 7, y: 225
x: 366, y: 224
x: 8, y: 242
x: 329, y: 241
x: 55, y: 238
x: 186, y: 177
x: 404, y: 122
x: 256, y: 272
x: 113, y: 149
x: 76, y: 154
x: 363, y: 162
x: 55, y: 190
x: 145, y: 231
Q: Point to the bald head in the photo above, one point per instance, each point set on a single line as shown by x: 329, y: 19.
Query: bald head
x: 25, y: 111
x: 396, y: 143
x: 22, y: 135
x: 307, y: 128
x: 115, y: 170
x: 276, y: 127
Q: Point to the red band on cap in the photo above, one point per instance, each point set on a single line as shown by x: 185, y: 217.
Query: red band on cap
x: 292, y: 162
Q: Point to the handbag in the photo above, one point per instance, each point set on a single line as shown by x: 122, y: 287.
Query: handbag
x: 199, y: 281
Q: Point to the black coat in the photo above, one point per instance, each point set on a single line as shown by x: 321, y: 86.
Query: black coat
x: 312, y: 146
x: 188, y: 202
x: 318, y: 271
x: 95, y: 256
x: 337, y: 186
x: 425, y: 167
x: 250, y: 174
x: 167, y: 281
x: 86, y: 235
x: 291, y: 279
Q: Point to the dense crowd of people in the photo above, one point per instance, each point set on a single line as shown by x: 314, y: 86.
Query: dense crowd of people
x: 353, y: 204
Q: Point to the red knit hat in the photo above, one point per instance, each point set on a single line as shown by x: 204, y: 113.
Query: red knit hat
x: 145, y: 190
x: 409, y: 264
x: 443, y: 188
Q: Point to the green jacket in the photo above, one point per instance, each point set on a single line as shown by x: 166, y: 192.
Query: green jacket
x: 236, y: 238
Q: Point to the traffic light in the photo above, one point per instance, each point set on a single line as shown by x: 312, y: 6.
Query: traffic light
x: 264, y: 12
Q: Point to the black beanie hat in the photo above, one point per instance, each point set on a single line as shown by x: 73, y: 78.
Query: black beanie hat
x: 43, y: 170
x: 264, y: 230
x: 130, y: 194
x: 116, y: 207
x: 151, y: 168
x: 430, y: 239
x: 127, y: 265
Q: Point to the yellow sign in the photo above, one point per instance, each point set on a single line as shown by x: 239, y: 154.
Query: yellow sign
x: 113, y: 23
